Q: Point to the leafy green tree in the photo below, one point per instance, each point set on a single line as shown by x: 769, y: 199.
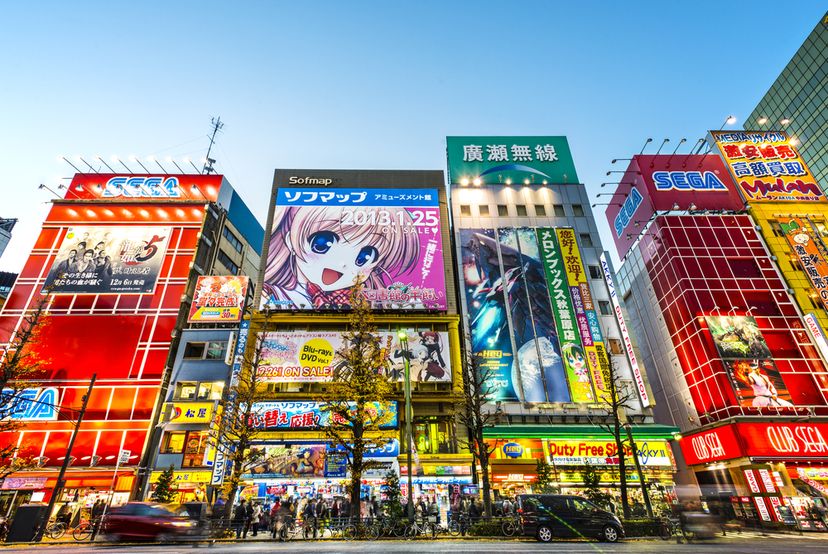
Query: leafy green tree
x: 592, y: 480
x: 165, y: 488
x: 545, y: 482
x: 393, y: 494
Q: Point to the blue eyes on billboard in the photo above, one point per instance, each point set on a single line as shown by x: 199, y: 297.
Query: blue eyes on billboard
x: 322, y: 241
x: 367, y: 254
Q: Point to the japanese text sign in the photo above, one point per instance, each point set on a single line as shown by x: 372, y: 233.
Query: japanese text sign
x: 191, y: 412
x: 218, y: 298
x: 800, y: 236
x: 312, y: 415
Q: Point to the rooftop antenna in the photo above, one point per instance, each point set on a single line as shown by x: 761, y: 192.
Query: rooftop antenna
x: 208, y: 161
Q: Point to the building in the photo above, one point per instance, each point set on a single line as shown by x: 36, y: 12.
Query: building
x: 6, y: 226
x: 327, y: 228
x: 542, y: 320
x: 796, y: 102
x: 7, y: 279
x: 118, y: 257
x: 719, y: 309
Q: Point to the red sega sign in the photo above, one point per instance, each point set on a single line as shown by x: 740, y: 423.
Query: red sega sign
x: 714, y: 445
x: 149, y: 187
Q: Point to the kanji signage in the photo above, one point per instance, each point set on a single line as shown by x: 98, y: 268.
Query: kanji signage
x: 218, y: 298
x: 313, y: 415
x: 191, y: 412
x: 800, y: 236
x: 767, y: 166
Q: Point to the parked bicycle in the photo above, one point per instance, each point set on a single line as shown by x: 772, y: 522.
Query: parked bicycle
x: 459, y: 525
x: 511, y: 526
x: 362, y: 530
x: 290, y: 529
x: 55, y: 529
x: 670, y: 526
x: 421, y: 528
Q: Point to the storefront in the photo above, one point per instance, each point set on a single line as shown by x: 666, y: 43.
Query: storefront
x: 191, y: 486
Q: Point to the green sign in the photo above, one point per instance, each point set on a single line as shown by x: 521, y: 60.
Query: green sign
x: 510, y: 160
x: 572, y: 351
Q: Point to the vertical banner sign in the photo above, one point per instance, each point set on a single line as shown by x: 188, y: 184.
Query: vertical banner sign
x: 817, y: 335
x: 802, y: 242
x: 625, y: 334
x: 564, y: 313
x: 575, y: 276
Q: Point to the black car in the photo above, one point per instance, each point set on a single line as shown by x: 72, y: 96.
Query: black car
x: 545, y: 516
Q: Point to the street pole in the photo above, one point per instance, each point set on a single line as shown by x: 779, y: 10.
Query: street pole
x: 408, y: 417
x: 58, y: 490
x: 641, y: 480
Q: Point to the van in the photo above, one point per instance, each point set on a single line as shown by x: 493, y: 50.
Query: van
x: 545, y: 516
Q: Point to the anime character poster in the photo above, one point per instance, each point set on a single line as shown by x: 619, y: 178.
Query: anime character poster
x: 737, y: 337
x: 485, y: 287
x: 290, y: 460
x: 324, y: 240
x: 758, y: 384
x: 108, y: 260
x: 218, y: 298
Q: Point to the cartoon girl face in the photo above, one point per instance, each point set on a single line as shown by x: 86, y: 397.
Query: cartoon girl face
x: 801, y: 238
x: 576, y: 360
x: 332, y: 262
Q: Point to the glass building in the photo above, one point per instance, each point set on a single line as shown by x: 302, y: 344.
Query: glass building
x: 797, y: 102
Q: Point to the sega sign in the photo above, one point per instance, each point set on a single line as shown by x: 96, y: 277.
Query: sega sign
x: 30, y: 404
x: 628, y: 209
x: 687, y: 180
x: 142, y: 187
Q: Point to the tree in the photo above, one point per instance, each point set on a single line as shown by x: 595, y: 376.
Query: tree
x: 393, y: 494
x: 165, y: 488
x: 616, y: 402
x: 477, y: 415
x: 592, y: 481
x: 357, y: 399
x: 240, y: 426
x: 20, y: 368
x: 545, y: 482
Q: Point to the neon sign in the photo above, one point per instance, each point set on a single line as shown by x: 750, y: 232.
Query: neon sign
x: 142, y: 187
x: 30, y: 404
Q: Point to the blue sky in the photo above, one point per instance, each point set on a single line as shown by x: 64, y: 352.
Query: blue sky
x: 368, y: 84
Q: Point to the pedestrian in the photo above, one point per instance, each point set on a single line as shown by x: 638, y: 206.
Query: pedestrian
x: 238, y: 517
x: 309, y: 516
x: 97, y: 514
x: 474, y: 512
x: 507, y: 507
x: 255, y: 518
x: 434, y: 511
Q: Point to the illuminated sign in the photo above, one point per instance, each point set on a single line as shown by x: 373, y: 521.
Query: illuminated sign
x: 711, y: 446
x: 150, y: 188
x: 512, y: 450
x: 576, y: 452
x: 767, y: 166
x: 687, y: 180
x: 628, y: 209
x: 190, y: 412
x: 753, y: 484
x: 38, y: 404
x: 760, y: 440
x: 313, y: 415
x: 218, y: 298
x: 184, y: 476
x: 800, y: 236
x: 142, y: 187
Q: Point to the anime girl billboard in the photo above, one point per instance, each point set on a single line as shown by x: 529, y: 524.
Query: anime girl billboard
x: 324, y: 240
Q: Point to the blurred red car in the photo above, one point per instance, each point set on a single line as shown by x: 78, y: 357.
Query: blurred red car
x: 149, y: 521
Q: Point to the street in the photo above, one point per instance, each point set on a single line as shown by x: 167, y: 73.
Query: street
x: 748, y: 543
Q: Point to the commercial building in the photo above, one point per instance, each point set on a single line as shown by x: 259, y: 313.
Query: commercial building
x: 539, y: 309
x: 6, y: 226
x: 326, y: 229
x: 796, y: 102
x: 716, y: 280
x: 117, y: 259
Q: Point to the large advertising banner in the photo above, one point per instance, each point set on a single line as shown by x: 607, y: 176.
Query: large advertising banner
x: 579, y: 452
x: 767, y: 166
x: 218, y: 298
x: 313, y: 415
x: 801, y: 238
x: 312, y: 356
x: 323, y: 240
x: 491, y: 341
x: 100, y: 259
x: 290, y: 461
x: 737, y: 337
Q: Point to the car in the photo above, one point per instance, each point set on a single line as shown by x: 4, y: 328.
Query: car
x: 546, y: 516
x: 150, y: 521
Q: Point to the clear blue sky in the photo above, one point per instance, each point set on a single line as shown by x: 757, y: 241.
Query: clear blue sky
x: 367, y: 84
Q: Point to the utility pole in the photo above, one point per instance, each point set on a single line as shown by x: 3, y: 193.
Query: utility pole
x: 208, y: 161
x: 60, y: 478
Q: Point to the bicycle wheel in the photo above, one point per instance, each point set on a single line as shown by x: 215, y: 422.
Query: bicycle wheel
x: 454, y: 528
x: 666, y: 532
x: 508, y: 527
x: 430, y: 530
x: 56, y: 530
x: 349, y: 532
x: 82, y: 532
x: 373, y: 531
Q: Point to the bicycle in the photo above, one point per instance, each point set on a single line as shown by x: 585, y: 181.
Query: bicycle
x: 670, y: 527
x: 421, y: 527
x: 86, y: 529
x: 459, y: 525
x: 511, y: 526
x: 362, y: 529
x: 290, y: 530
x: 56, y: 529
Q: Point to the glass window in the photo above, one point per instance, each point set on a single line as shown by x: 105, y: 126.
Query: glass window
x: 586, y: 240
x: 231, y: 238
x: 615, y: 347
x: 540, y: 210
x: 555, y: 504
x: 185, y: 390
x: 581, y: 506
x: 194, y: 448
x: 216, y: 350
x: 433, y: 435
x: 594, y: 272
x: 502, y: 210
x: 604, y: 307
x: 558, y: 210
x: 227, y: 262
x: 465, y: 209
x: 173, y: 442
x: 577, y: 210
x: 483, y: 209
x: 194, y: 350
x: 521, y: 210
x: 210, y: 391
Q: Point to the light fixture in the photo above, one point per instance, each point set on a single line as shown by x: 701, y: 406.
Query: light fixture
x: 508, y: 181
x: 464, y: 181
x: 526, y: 181
x: 762, y: 120
x: 784, y: 120
x: 477, y: 181
x: 731, y: 119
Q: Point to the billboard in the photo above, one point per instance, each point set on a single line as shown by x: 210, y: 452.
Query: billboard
x: 290, y: 460
x: 98, y: 259
x: 325, y: 239
x: 580, y: 452
x: 767, y: 166
x: 152, y: 187
x: 218, y: 298
x: 505, y: 160
x: 312, y: 415
x: 800, y: 236
x: 737, y: 337
x: 312, y: 356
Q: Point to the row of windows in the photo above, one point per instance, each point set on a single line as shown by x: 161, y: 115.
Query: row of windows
x: 194, y: 390
x: 212, y: 350
x: 231, y: 238
x: 190, y: 443
x: 228, y: 263
x: 521, y: 210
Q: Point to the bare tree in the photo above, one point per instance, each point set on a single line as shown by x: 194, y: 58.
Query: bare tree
x: 477, y: 413
x: 20, y: 368
x: 358, y: 397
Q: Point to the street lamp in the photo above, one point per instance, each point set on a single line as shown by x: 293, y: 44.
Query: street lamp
x: 408, y: 417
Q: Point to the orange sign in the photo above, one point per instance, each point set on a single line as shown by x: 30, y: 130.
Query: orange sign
x: 801, y: 238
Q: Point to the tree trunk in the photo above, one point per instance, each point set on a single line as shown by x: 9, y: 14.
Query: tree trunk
x: 484, y: 472
x: 622, y: 469
x: 356, y: 471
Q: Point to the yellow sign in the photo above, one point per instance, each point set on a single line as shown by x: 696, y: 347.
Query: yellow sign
x: 574, y: 452
x: 185, y: 476
x: 191, y: 412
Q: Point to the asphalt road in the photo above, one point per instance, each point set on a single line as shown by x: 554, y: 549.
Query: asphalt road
x: 744, y: 544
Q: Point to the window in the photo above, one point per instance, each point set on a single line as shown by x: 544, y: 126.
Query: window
x: 194, y: 448
x: 484, y: 210
x: 194, y: 350
x: 185, y: 390
x: 577, y: 210
x: 231, y: 238
x: 604, y: 307
x: 173, y: 442
x: 586, y: 240
x: 540, y: 211
x: 580, y: 506
x: 502, y: 210
x: 227, y: 262
x: 465, y: 209
x: 210, y: 391
x: 615, y: 347
x: 558, y: 210
x: 594, y: 272
x: 433, y: 435
x: 521, y: 210
x: 215, y: 350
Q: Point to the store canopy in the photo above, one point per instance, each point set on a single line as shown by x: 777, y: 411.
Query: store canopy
x: 576, y: 431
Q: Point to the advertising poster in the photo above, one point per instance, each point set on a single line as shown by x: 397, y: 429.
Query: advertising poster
x: 737, y: 337
x: 99, y: 259
x: 758, y: 383
x: 323, y: 240
x: 312, y: 415
x: 800, y: 236
x: 579, y: 452
x: 291, y: 461
x: 218, y: 298
x: 490, y: 336
x: 767, y: 166
x: 313, y: 356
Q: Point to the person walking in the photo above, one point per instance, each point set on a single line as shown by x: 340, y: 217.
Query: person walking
x: 255, y: 518
x: 238, y: 517
x: 97, y: 515
x: 309, y: 516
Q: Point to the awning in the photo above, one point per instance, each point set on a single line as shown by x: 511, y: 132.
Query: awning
x: 641, y: 431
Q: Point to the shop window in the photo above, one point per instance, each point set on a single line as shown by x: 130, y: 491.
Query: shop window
x: 194, y: 350
x: 540, y: 210
x: 616, y: 348
x: 433, y: 435
x: 173, y: 443
x: 521, y: 210
x: 465, y: 210
x: 484, y: 210
x: 216, y: 350
x: 604, y: 307
x: 502, y: 210
x: 594, y: 272
x: 577, y: 210
x: 194, y: 448
x: 210, y: 391
x: 558, y: 210
x: 185, y: 390
x: 586, y: 240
